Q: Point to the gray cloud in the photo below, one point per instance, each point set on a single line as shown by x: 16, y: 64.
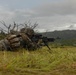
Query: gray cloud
x: 67, y: 7
x: 57, y: 15
x: 51, y: 16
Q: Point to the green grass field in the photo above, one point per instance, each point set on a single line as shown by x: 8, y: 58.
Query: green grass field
x: 57, y: 61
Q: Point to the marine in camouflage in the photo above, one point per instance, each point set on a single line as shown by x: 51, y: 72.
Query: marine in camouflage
x: 22, y: 39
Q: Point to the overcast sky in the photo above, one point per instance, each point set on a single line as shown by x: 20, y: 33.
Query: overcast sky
x: 49, y: 14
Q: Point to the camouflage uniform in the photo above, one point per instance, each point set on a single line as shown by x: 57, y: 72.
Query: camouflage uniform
x: 11, y: 42
x: 26, y: 35
x: 4, y: 45
x: 14, y: 41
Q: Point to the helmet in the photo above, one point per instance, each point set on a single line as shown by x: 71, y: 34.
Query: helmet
x: 28, y: 31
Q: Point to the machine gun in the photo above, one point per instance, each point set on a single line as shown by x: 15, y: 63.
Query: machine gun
x: 37, y: 37
x: 40, y: 40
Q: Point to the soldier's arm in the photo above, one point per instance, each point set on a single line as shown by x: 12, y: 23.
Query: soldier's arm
x: 25, y: 38
x: 13, y: 41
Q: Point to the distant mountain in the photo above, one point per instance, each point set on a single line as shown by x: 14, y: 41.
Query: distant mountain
x: 64, y: 34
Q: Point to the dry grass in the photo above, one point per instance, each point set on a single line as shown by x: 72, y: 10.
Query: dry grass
x: 61, y: 61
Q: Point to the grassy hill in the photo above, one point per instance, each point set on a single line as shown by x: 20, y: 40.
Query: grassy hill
x: 59, y: 61
x: 64, y: 34
x: 67, y: 37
